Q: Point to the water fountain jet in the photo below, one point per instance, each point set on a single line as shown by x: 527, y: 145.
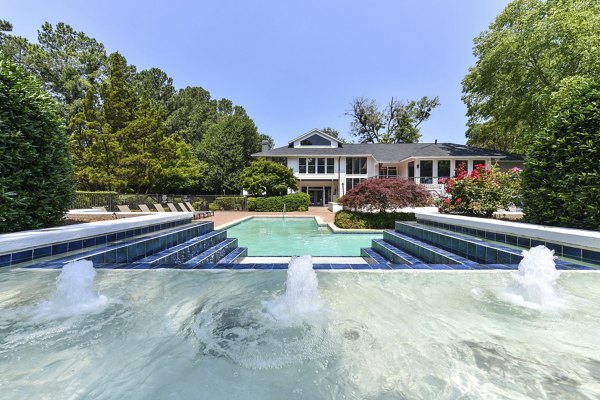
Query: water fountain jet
x: 74, y: 292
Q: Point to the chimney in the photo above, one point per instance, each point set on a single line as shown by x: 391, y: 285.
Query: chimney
x: 265, y: 145
x: 435, y: 141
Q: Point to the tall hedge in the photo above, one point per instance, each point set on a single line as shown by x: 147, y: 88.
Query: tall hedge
x: 36, y: 176
x: 561, y: 176
x: 293, y: 202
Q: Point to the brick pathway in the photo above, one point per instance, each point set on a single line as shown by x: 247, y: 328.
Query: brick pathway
x: 225, y: 217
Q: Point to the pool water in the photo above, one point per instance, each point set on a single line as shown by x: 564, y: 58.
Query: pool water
x: 175, y: 334
x: 295, y: 237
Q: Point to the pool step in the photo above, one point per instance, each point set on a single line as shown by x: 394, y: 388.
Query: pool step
x: 211, y: 255
x: 469, y: 247
x: 372, y: 257
x: 185, y: 251
x: 422, y: 251
x: 234, y: 256
x: 392, y: 253
x: 128, y: 251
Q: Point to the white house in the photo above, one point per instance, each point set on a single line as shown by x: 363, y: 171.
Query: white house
x: 326, y: 168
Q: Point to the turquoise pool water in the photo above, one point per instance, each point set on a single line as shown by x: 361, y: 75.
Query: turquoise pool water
x: 296, y: 236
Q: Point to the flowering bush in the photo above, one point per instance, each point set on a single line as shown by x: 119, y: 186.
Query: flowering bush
x: 482, y: 192
x: 386, y: 194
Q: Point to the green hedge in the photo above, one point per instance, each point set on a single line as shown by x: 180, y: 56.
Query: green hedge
x: 36, y: 174
x: 358, y: 220
x: 235, y: 203
x: 293, y: 202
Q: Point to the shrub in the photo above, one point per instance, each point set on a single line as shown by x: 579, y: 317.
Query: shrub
x: 293, y: 202
x: 235, y: 203
x: 482, y: 192
x: 360, y: 220
x: 562, y: 169
x: 385, y: 194
x: 36, y: 174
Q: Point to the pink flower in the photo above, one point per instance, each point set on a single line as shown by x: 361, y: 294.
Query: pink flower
x: 516, y: 170
x: 446, y: 201
x: 458, y: 201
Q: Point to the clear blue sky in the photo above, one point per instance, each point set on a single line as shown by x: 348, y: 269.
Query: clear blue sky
x: 293, y: 65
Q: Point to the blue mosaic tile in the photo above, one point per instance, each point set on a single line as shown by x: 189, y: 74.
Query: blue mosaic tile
x: 400, y: 266
x: 280, y: 266
x: 21, y: 256
x: 591, y: 256
x: 420, y: 266
x: 572, y: 252
x: 264, y: 266
x: 5, y: 260
x: 360, y: 266
x: 42, y: 252
x: 321, y: 266
x: 111, y: 237
x: 242, y: 266
x: 60, y: 248
x: 89, y: 242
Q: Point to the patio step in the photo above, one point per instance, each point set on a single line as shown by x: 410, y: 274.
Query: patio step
x: 422, y: 251
x: 185, y: 251
x: 212, y: 255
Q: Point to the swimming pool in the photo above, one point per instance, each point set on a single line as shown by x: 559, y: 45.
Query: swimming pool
x: 175, y: 334
x: 296, y: 236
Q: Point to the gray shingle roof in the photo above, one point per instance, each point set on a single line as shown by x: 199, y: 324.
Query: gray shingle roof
x: 391, y: 152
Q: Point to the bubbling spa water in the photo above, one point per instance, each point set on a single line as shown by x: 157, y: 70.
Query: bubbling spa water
x: 297, y: 334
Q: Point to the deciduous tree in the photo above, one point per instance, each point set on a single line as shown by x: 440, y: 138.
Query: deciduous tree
x: 521, y: 60
x: 386, y: 194
x: 397, y: 122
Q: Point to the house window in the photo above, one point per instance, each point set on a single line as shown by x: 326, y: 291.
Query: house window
x: 457, y: 165
x: 356, y: 165
x: 330, y: 165
x: 443, y: 169
x: 320, y: 165
x: 352, y: 182
x: 316, y: 165
x: 315, y: 140
x: 477, y: 162
x: 426, y: 171
x: 387, y: 172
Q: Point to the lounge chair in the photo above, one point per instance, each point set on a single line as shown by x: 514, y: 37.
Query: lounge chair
x: 124, y: 208
x: 172, y: 207
x: 206, y: 213
x: 197, y: 214
x: 144, y: 208
x: 103, y: 209
x: 159, y: 207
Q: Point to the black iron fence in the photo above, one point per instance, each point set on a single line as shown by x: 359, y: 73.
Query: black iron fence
x: 110, y: 200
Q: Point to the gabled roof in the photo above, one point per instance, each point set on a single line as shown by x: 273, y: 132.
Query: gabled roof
x: 390, y: 153
x: 312, y: 132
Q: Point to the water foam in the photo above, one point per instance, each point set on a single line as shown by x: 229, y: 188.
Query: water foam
x: 74, y: 293
x: 301, y: 300
x: 534, y: 284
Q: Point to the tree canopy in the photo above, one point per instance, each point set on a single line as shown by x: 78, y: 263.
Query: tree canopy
x: 522, y: 58
x: 269, y: 178
x: 130, y: 130
x: 397, y: 122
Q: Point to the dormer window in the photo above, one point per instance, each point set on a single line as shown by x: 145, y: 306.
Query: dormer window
x: 315, y: 140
